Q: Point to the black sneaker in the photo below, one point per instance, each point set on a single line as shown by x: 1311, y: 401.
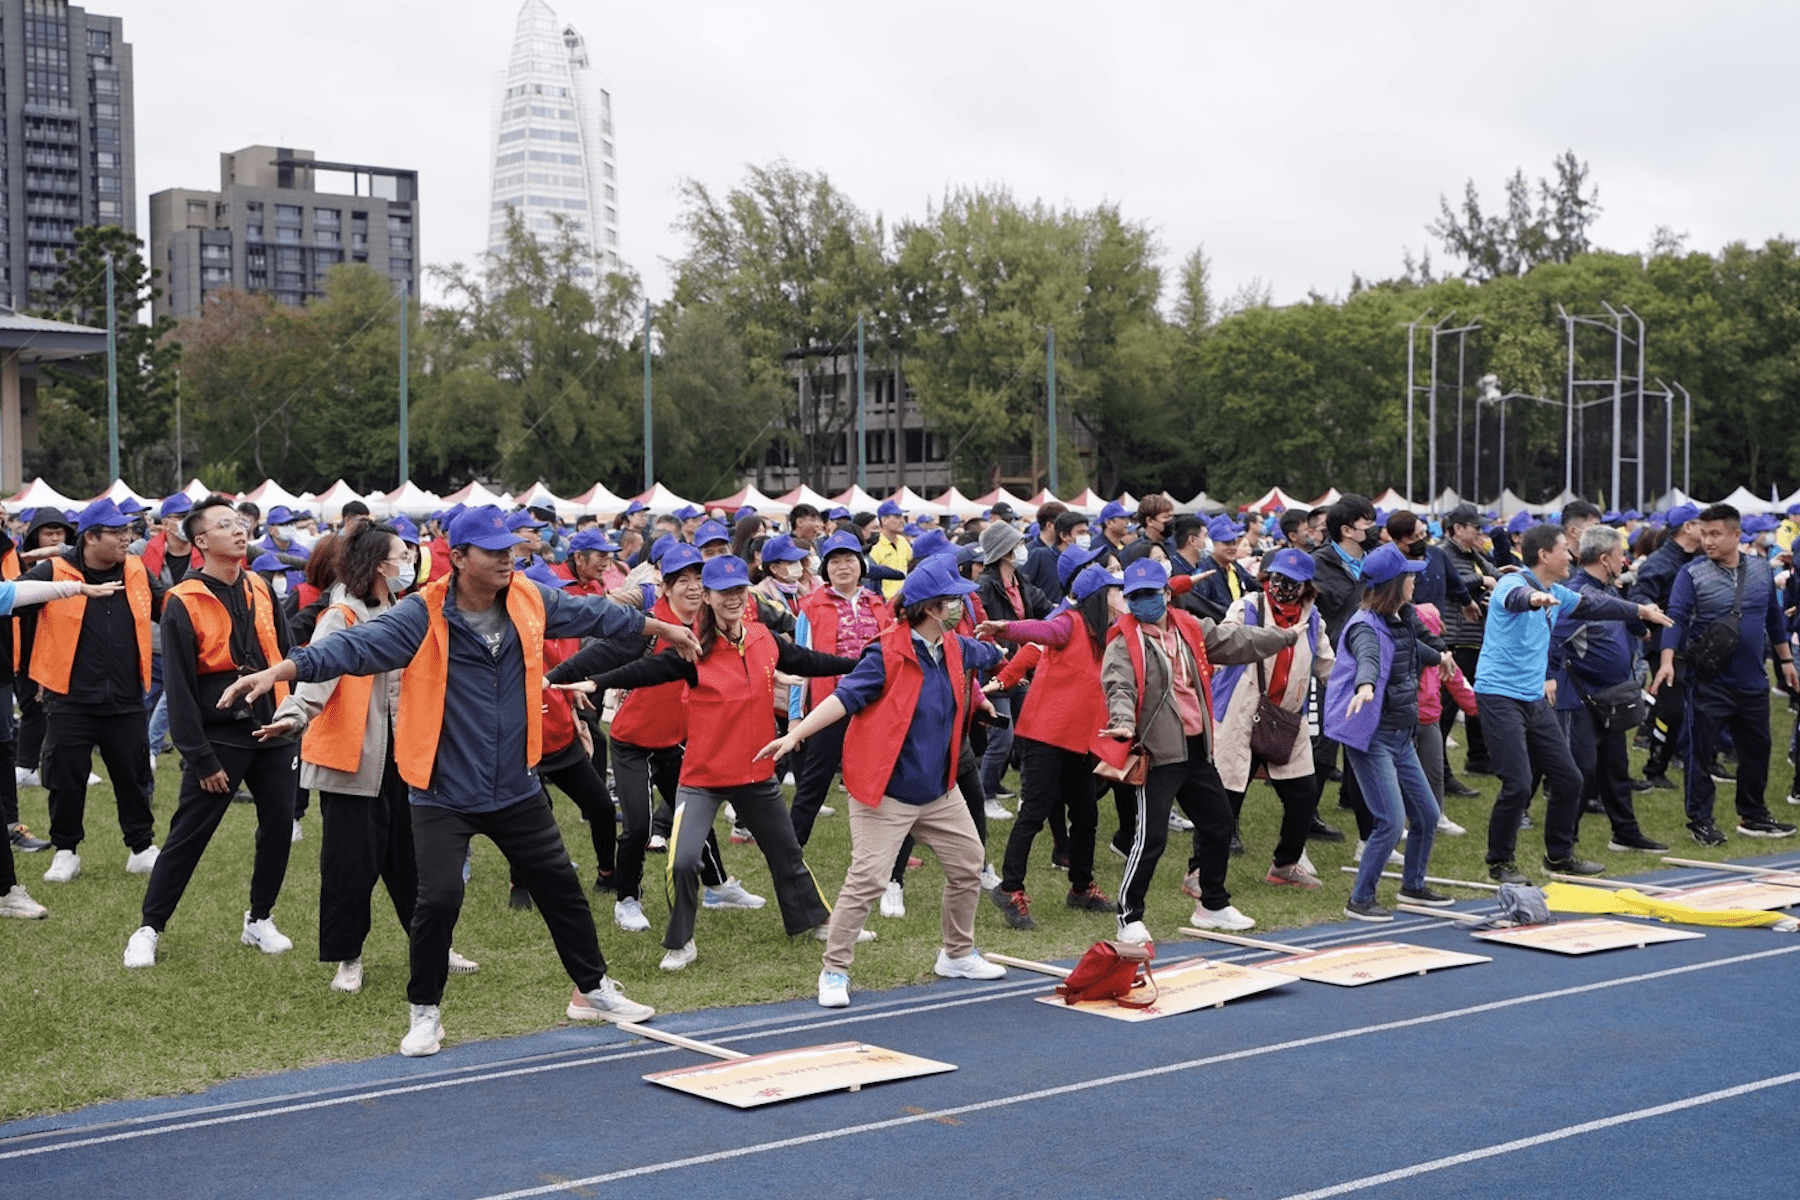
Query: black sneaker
x: 1090, y: 899
x: 1525, y: 821
x: 1507, y: 872
x: 1059, y: 860
x: 1321, y: 832
x: 1638, y: 785
x: 518, y: 898
x: 1237, y: 845
x: 1657, y: 782
x: 1456, y: 787
x: 1764, y: 827
x: 1113, y: 845
x: 24, y: 842
x: 1721, y: 773
x: 1592, y: 805
x: 1015, y: 907
x: 1706, y: 833
x: 605, y: 881
x: 1333, y: 775
x: 1427, y: 896
x: 1573, y: 866
x: 1635, y: 841
x: 1478, y: 769
x: 1367, y: 910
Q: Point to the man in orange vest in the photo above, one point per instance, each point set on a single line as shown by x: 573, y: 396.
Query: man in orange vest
x: 219, y: 623
x: 92, y: 660
x: 468, y: 740
x: 20, y: 836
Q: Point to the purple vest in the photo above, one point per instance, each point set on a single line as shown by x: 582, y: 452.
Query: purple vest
x: 1358, y: 730
x: 1225, y: 679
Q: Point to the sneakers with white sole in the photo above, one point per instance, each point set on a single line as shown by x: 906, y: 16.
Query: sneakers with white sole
x: 1179, y: 823
x: 265, y: 937
x: 990, y: 878
x: 823, y: 933
x: 730, y: 894
x: 969, y: 966
x: 834, y: 989
x: 658, y: 844
x: 1395, y: 857
x: 142, y: 862
x: 66, y: 865
x: 1228, y: 919
x: 299, y: 834
x: 349, y: 977
x: 629, y: 915
x: 608, y: 1003
x: 462, y: 966
x: 18, y: 903
x: 140, y: 951
x: 993, y: 810
x: 426, y: 1036
x: 1449, y: 828
x: 24, y: 777
x: 1134, y: 933
x: 893, y: 900
x: 680, y: 957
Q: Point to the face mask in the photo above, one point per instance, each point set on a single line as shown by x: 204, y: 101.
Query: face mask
x: 1285, y: 591
x: 812, y: 564
x: 278, y: 585
x: 953, y: 614
x: 1020, y: 553
x: 1417, y: 549
x: 402, y: 579
x: 1085, y: 541
x: 1148, y: 607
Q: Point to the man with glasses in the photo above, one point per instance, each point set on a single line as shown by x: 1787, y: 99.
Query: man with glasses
x: 92, y: 658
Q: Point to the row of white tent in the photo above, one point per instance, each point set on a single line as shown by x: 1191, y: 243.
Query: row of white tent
x: 599, y: 500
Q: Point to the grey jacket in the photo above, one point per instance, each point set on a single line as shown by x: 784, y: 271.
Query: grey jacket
x: 1161, y: 734
x: 307, y: 700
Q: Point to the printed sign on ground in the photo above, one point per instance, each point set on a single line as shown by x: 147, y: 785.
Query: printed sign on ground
x: 789, y: 1074
x: 1371, y: 962
x: 1184, y: 987
x: 1585, y: 937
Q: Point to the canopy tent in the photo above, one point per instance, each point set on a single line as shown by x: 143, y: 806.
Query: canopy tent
x: 958, y: 505
x: 540, y: 496
x: 1447, y: 500
x: 1201, y: 503
x: 1088, y: 501
x: 805, y: 495
x: 1510, y: 503
x: 413, y: 500
x: 1024, y: 508
x: 1046, y: 496
x: 38, y: 494
x: 1392, y: 501
x: 474, y: 495
x: 601, y: 501
x: 1275, y: 499
x: 195, y: 490
x: 661, y: 501
x: 1747, y: 501
x: 765, y: 506
x: 379, y: 508
x: 1676, y: 496
x: 1128, y: 500
x: 333, y: 499
x: 915, y: 504
x: 1331, y: 496
x: 857, y: 501
x: 1788, y: 501
x: 268, y: 494
x: 1554, y: 504
x: 118, y: 493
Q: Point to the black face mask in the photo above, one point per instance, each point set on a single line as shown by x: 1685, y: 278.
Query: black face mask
x: 1416, y: 549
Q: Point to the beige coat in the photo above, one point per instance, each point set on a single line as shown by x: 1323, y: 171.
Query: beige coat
x: 1232, y: 754
x: 308, y: 700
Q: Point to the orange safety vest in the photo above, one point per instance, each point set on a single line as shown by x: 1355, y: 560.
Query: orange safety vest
x: 422, y: 684
x: 212, y: 626
x: 9, y: 569
x: 335, y: 738
x: 59, y: 626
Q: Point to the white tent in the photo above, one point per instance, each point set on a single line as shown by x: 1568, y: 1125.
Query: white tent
x: 1275, y: 498
x: 1554, y: 504
x: 765, y: 506
x: 1787, y: 502
x: 1447, y: 500
x: 1088, y: 501
x: 805, y: 495
x: 1046, y: 496
x: 1392, y: 501
x: 1024, y: 508
x: 1201, y: 503
x: 38, y: 494
x: 958, y: 505
x: 119, y: 494
x: 661, y: 501
x: 1331, y: 496
x: 195, y: 490
x: 1509, y: 503
x: 857, y: 501
x: 333, y: 499
x: 539, y: 496
x: 474, y: 496
x: 601, y: 501
x: 379, y: 508
x: 916, y: 505
x: 268, y: 494
x: 413, y: 500
x: 1747, y: 501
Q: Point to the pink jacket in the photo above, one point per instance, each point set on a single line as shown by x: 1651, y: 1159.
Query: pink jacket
x: 1446, y: 675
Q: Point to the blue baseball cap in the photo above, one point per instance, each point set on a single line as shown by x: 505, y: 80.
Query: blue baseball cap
x: 911, y: 530
x: 133, y: 506
x: 781, y: 548
x: 934, y: 577
x: 176, y: 505
x: 544, y: 575
x: 266, y: 561
x: 840, y: 513
x: 1387, y: 563
x: 593, y: 539
x: 1681, y: 514
x: 101, y: 514
x: 279, y: 515
x: 1145, y: 575
x: 408, y: 532
x: 662, y: 545
x: 1070, y: 561
x: 748, y: 510
x: 1611, y: 516
x: 966, y: 554
x: 711, y: 531
x: 635, y: 507
x: 1223, y: 529
x: 1521, y: 521
x: 687, y: 512
x: 1293, y: 564
x: 724, y: 572
x: 1091, y: 580
x: 1631, y: 514
x: 842, y: 542
x: 931, y: 542
x: 678, y: 558
x: 484, y: 527
x: 1113, y: 510
x: 887, y: 508
x: 523, y: 520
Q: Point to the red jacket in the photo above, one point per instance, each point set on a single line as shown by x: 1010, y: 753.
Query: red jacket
x: 731, y: 713
x: 559, y: 713
x: 655, y: 718
x: 1065, y: 706
x: 877, y: 732
x: 821, y: 613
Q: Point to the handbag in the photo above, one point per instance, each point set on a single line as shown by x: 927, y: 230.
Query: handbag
x: 1111, y: 971
x: 1131, y: 771
x: 1618, y: 706
x: 1719, y: 641
x: 1273, y: 729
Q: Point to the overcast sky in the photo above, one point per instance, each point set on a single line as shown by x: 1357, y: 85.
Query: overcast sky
x: 1298, y: 142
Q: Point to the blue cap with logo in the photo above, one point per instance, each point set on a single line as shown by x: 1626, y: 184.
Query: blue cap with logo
x: 936, y: 576
x: 839, y: 513
x: 404, y: 528
x: 101, y: 514
x: 523, y: 520
x: 781, y: 548
x: 747, y: 510
x: 724, y: 572
x: 279, y: 515
x: 1681, y: 514
x: 593, y: 539
x: 483, y: 527
x: 1077, y: 556
x: 1145, y: 575
x: 177, y: 505
x: 1223, y: 530
x: 1112, y: 511
x: 709, y: 532
x: 1091, y: 580
x: 661, y: 545
x: 544, y: 575
x: 1293, y: 564
x: 678, y: 557
x: 888, y: 508
x: 1387, y: 563
x: 687, y: 512
x: 842, y: 542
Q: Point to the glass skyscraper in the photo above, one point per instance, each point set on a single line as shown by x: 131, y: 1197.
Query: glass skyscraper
x: 553, y: 154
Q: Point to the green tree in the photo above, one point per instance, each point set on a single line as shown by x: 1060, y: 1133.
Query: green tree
x: 1555, y: 230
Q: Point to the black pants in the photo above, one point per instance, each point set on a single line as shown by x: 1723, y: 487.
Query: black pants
x: 527, y: 835
x: 818, y: 767
x: 1714, y: 708
x: 9, y: 784
x: 1667, y: 720
x: 1527, y: 741
x: 1194, y: 785
x: 760, y: 809
x: 1604, y: 759
x: 635, y: 770
x: 366, y: 839
x: 580, y: 782
x: 1299, y: 801
x: 1049, y: 776
x: 123, y: 740
x: 31, y: 724
x: 271, y: 774
x: 1477, y: 756
x: 968, y: 778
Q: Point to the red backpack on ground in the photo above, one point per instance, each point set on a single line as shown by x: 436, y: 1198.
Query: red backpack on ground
x: 1110, y: 971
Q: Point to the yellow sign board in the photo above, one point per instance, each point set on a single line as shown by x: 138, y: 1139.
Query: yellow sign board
x: 1585, y: 937
x: 1183, y: 987
x: 789, y: 1074
x: 1371, y: 962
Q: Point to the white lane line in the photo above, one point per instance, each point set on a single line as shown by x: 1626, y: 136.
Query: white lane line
x: 829, y: 1135
x: 1554, y: 1135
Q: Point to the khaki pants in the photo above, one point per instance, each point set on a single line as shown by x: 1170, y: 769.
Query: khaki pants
x: 875, y: 836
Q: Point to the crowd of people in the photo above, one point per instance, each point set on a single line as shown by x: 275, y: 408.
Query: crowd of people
x: 427, y: 681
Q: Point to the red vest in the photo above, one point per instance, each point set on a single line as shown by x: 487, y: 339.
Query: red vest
x: 559, y: 713
x: 821, y: 613
x: 731, y: 715
x: 879, y: 731
x: 1065, y: 707
x: 1188, y: 626
x: 654, y: 718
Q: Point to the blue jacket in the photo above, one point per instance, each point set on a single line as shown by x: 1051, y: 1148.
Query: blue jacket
x: 1586, y: 656
x: 1515, y: 653
x: 481, y: 752
x: 1705, y: 592
x: 1656, y: 581
x: 1440, y: 583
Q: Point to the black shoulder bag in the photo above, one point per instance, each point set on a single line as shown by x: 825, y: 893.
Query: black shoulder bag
x: 1708, y: 653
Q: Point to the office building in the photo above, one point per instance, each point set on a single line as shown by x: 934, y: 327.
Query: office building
x: 279, y: 222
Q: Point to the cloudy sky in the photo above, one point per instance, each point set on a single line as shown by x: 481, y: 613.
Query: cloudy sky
x: 1298, y: 142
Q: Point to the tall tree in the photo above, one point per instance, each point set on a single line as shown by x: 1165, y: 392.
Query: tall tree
x: 1555, y: 229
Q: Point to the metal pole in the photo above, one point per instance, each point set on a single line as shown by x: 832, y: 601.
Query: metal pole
x: 1569, y: 418
x: 1051, y: 370
x: 178, y: 429
x: 1618, y: 399
x: 1687, y: 443
x: 862, y: 447
x: 1462, y: 348
x: 649, y: 420
x: 1639, y: 455
x: 1431, y: 431
x: 1668, y: 438
x: 1502, y: 449
x: 1412, y: 329
x: 1477, y: 472
x: 112, y: 376
x: 405, y: 373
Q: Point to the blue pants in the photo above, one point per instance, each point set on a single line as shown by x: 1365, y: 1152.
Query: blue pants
x: 1394, y: 787
x: 1525, y: 741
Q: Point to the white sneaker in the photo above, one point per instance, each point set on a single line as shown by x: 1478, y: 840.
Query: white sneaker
x: 608, y: 1003
x: 893, y: 900
x: 834, y: 989
x: 657, y: 844
x: 825, y: 810
x: 1179, y: 823
x: 823, y: 933
x: 629, y: 916
x: 64, y: 867
x: 1135, y: 934
x: 265, y: 937
x: 1395, y: 858
x: 676, y: 959
x: 1228, y: 919
x: 299, y: 833
x: 94, y: 780
x: 1305, y: 864
x: 153, y: 764
x: 18, y: 903
x: 141, y: 862
x: 996, y: 811
x: 990, y: 878
x: 1448, y: 827
x: 348, y: 978
x: 730, y: 811
x: 462, y: 966
x: 788, y: 780
x: 426, y: 1036
x: 730, y: 894
x: 25, y: 778
x: 969, y: 966
x: 140, y: 951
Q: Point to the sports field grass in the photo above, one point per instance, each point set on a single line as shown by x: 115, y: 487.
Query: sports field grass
x: 79, y: 1029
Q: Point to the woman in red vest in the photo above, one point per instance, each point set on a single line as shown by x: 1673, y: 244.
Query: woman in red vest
x: 730, y: 715
x: 907, y: 699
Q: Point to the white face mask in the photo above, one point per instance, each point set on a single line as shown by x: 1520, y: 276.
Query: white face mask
x: 1085, y: 541
x: 1020, y: 553
x: 812, y: 564
x: 278, y: 584
x: 401, y: 579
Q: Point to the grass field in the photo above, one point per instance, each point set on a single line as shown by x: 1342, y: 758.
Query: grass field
x: 79, y: 1028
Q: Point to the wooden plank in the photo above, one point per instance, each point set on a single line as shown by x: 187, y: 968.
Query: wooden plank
x: 1585, y: 937
x: 755, y: 1080
x: 1182, y: 987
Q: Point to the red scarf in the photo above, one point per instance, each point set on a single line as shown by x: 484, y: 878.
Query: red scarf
x: 1286, y: 617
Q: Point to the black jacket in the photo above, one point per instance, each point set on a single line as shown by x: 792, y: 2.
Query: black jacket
x: 1471, y: 566
x: 998, y: 605
x: 1339, y: 594
x: 105, y: 672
